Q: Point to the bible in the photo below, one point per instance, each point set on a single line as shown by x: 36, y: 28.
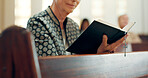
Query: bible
x: 89, y: 41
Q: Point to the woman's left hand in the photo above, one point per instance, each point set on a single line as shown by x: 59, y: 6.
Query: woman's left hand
x: 105, y: 48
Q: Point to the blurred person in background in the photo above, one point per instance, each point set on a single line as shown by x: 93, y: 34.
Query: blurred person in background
x: 123, y: 20
x: 84, y: 25
x: 132, y: 37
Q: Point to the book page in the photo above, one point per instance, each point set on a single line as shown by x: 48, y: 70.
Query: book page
x: 126, y: 28
x: 109, y: 24
x: 129, y: 26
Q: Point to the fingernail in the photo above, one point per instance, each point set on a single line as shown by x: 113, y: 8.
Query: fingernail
x: 104, y: 36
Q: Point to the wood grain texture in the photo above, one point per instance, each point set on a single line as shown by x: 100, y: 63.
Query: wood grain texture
x: 96, y: 66
x: 140, y: 47
x: 16, y: 54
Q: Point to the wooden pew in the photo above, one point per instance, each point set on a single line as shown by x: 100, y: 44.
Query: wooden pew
x: 144, y: 38
x: 18, y: 59
x: 140, y: 47
x: 96, y: 66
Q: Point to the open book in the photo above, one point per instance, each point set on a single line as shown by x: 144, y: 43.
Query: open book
x: 89, y: 41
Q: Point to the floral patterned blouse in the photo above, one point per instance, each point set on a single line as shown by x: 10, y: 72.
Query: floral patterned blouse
x: 47, y: 33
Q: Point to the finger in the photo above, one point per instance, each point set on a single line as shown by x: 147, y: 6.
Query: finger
x: 104, y: 41
x: 119, y: 42
x: 112, y: 46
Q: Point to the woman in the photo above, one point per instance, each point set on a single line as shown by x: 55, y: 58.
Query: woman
x: 54, y: 31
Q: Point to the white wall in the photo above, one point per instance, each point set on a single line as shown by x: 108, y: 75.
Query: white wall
x: 110, y: 11
x: 135, y: 14
x: 136, y: 10
x: 6, y: 13
x: 145, y: 16
x: 85, y: 9
x: 9, y: 16
x: 36, y: 6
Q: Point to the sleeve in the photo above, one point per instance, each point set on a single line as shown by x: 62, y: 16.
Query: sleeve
x: 43, y: 42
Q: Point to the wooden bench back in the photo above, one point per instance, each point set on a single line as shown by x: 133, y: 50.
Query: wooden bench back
x: 140, y: 47
x: 96, y: 66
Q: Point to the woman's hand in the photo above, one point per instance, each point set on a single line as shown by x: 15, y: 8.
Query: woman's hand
x: 108, y: 48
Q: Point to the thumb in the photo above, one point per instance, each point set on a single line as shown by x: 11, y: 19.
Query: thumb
x: 103, y: 44
x: 104, y: 40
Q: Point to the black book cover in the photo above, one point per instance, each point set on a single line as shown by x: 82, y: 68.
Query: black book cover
x: 89, y: 41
